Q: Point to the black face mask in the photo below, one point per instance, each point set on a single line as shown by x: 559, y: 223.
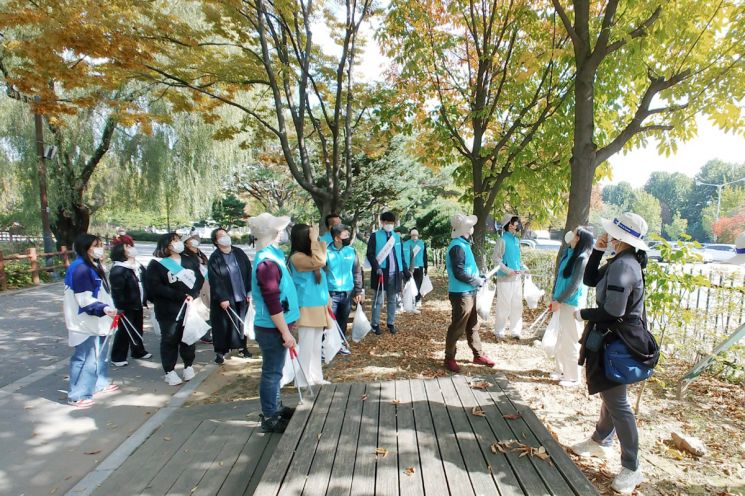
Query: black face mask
x: 346, y: 242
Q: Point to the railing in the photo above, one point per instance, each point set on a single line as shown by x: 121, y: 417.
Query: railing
x: 38, y: 264
x: 8, y: 237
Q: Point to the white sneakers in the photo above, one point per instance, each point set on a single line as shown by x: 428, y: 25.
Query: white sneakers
x: 569, y: 384
x: 555, y: 376
x: 627, y: 480
x: 123, y: 363
x: 590, y: 448
x: 173, y: 379
x: 189, y: 373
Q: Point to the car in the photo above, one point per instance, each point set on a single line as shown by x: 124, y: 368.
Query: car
x: 654, y: 253
x: 527, y: 243
x: 719, y: 252
x: 547, y: 244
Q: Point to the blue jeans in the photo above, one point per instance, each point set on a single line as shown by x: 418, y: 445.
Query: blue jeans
x: 390, y: 292
x: 88, y: 375
x: 341, y: 305
x: 273, y: 355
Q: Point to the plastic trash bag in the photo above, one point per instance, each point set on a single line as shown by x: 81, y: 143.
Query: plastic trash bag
x: 288, y: 371
x: 248, y: 323
x: 484, y: 299
x: 426, y: 287
x: 332, y: 342
x: 409, y: 296
x: 531, y: 293
x: 154, y: 323
x: 194, y: 326
x: 548, y: 343
x: 360, y: 326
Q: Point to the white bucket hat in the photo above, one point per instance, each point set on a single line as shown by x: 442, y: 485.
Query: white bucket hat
x: 739, y: 258
x: 414, y: 232
x: 266, y: 225
x: 629, y: 228
x: 506, y: 218
x: 462, y: 224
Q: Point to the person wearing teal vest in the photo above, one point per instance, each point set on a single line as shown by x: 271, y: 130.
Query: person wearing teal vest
x: 417, y: 260
x: 344, y: 275
x: 388, y: 268
x: 464, y: 281
x: 330, y: 220
x: 509, y: 278
x: 306, y: 262
x: 277, y: 309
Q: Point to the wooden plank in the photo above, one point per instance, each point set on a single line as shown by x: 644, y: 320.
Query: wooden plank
x: 272, y: 479
x: 299, y: 467
x: 266, y: 458
x: 410, y: 484
x: 571, y: 473
x: 340, y: 483
x: 319, y: 473
x: 386, y: 474
x: 548, y: 472
x: 452, y: 459
x: 363, y: 479
x: 181, y: 461
x: 512, y: 473
x: 235, y: 435
x: 475, y: 461
x: 433, y: 471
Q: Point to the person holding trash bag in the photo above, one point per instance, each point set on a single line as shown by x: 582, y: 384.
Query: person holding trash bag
x: 567, y: 296
x: 229, y: 275
x: 344, y: 275
x: 276, y: 303
x: 619, y: 315
x: 417, y: 261
x: 126, y: 278
x: 507, y: 258
x: 464, y: 281
x: 171, y: 283
x: 88, y: 313
x: 388, y: 268
x: 306, y: 262
x: 191, y: 249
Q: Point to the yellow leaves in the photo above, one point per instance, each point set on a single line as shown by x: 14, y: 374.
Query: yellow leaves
x: 382, y: 452
x: 512, y: 446
x: 481, y: 385
x: 410, y: 471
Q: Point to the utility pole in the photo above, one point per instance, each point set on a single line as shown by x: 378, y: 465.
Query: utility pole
x: 42, y: 172
x: 719, y: 188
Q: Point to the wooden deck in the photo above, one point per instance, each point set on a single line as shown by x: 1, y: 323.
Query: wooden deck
x: 428, y: 441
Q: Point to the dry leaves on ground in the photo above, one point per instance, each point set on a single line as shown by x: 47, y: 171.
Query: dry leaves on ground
x: 381, y: 452
x: 478, y: 411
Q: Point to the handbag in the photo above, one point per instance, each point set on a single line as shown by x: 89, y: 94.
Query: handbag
x: 622, y: 366
x: 594, y: 339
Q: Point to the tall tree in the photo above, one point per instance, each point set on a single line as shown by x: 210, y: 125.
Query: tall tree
x: 648, y: 67
x: 672, y: 190
x: 621, y: 194
x: 495, y: 73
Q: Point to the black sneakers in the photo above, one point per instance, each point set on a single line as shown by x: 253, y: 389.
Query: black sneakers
x: 273, y: 424
x: 392, y: 328
x: 376, y: 330
x: 286, y: 412
x: 245, y: 353
x: 219, y: 359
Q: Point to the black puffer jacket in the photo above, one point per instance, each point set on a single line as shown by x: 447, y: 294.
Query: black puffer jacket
x: 168, y: 293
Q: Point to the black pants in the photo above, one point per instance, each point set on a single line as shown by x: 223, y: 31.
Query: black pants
x: 418, y: 278
x: 127, y: 338
x: 225, y: 336
x: 171, y: 346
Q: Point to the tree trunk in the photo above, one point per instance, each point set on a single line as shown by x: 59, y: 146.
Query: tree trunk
x: 71, y: 223
x: 480, y: 249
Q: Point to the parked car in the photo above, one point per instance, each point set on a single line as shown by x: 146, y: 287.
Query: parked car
x: 719, y: 252
x: 547, y: 244
x: 654, y: 252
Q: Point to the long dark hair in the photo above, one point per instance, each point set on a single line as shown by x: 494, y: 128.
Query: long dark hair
x: 81, y: 246
x: 161, y: 249
x: 584, y: 245
x: 300, y: 243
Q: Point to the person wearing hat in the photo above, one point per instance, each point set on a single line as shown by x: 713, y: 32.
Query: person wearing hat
x: 619, y: 314
x: 416, y: 259
x: 229, y: 275
x: 122, y: 238
x: 344, y: 275
x: 739, y: 257
x: 276, y: 303
x: 389, y: 270
x: 507, y: 258
x: 463, y: 283
x: 330, y: 220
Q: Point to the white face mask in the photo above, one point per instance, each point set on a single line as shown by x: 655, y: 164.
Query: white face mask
x: 569, y: 237
x: 97, y: 252
x: 177, y: 246
x: 131, y: 252
x: 388, y: 227
x: 194, y: 243
x: 224, y: 240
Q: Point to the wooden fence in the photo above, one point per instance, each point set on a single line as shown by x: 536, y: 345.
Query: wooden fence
x: 38, y: 263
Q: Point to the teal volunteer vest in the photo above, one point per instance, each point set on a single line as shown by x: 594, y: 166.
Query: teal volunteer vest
x: 310, y: 293
x: 340, y: 266
x: 456, y: 285
x: 287, y: 292
x: 380, y: 241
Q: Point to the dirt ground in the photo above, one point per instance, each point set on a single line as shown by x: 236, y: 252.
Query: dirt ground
x: 713, y: 410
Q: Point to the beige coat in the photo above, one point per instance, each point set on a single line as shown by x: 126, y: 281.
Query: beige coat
x: 312, y: 316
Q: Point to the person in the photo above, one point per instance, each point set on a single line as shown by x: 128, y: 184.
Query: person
x: 417, y: 260
x: 171, y: 282
x: 229, y: 275
x: 385, y: 254
x: 464, y: 281
x: 330, y: 220
x: 89, y: 311
x: 739, y: 257
x: 276, y: 303
x: 620, y: 311
x: 344, y: 275
x: 126, y: 277
x: 306, y: 262
x: 122, y: 237
x: 191, y: 249
x: 507, y: 258
x: 567, y: 295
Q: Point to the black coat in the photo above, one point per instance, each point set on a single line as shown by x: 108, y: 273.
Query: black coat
x: 168, y: 293
x: 402, y: 273
x: 224, y: 334
x: 125, y: 288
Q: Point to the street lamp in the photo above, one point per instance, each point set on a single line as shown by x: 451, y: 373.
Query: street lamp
x: 719, y: 188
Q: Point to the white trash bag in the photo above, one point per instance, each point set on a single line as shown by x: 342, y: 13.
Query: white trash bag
x: 484, y: 299
x: 198, y: 306
x: 154, y: 323
x: 194, y: 326
x: 426, y: 287
x: 531, y: 292
x: 548, y: 343
x: 360, y: 326
x: 332, y: 342
x: 409, y: 296
x: 248, y: 323
x: 288, y: 371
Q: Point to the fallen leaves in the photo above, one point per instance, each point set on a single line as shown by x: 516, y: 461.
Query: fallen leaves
x: 363, y: 397
x: 513, y: 446
x: 410, y: 471
x: 381, y: 452
x: 482, y: 385
x: 167, y: 438
x: 94, y: 452
x: 512, y: 416
x: 396, y: 402
x: 478, y: 411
